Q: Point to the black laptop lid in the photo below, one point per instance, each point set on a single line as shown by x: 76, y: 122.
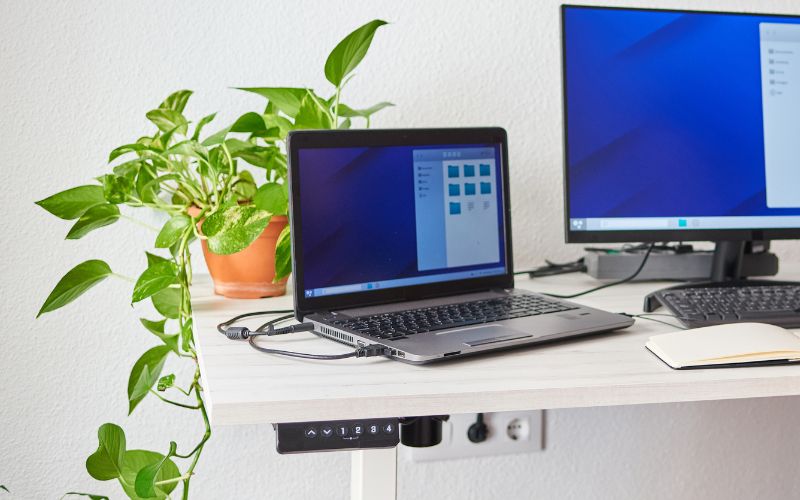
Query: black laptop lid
x: 394, y: 215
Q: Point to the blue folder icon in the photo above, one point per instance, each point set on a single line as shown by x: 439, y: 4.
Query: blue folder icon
x: 469, y: 188
x: 469, y: 170
x: 486, y: 188
x: 455, y: 208
x: 485, y: 170
x: 454, y: 189
x: 452, y: 171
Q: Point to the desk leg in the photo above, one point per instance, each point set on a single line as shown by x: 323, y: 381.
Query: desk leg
x: 373, y: 474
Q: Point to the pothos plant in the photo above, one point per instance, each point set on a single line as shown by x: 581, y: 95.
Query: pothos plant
x: 206, y: 193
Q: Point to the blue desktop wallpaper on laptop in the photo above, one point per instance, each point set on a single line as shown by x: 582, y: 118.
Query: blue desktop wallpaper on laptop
x: 665, y: 114
x: 358, y: 215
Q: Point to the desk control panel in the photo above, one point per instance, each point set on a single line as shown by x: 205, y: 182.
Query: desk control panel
x: 335, y: 435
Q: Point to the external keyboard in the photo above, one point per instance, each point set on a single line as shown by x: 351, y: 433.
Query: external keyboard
x: 397, y: 325
x: 713, y: 305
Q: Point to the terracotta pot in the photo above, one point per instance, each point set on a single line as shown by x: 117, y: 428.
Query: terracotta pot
x: 248, y: 274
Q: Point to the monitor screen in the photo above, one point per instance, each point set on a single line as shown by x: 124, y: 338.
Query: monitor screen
x: 680, y: 121
x: 396, y: 216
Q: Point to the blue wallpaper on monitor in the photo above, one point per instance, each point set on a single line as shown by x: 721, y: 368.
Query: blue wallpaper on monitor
x: 358, y: 215
x: 664, y: 114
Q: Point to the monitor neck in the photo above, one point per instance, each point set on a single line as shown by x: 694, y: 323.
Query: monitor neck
x: 727, y: 262
x: 736, y: 260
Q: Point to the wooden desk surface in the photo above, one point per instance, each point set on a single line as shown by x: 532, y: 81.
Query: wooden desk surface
x: 244, y: 386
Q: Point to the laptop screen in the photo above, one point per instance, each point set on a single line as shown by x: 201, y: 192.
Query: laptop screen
x: 394, y: 216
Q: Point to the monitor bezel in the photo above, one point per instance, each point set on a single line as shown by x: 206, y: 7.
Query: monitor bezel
x: 650, y: 235
x: 297, y: 140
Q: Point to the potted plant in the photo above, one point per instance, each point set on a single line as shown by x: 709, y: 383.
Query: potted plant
x: 262, y: 268
x: 204, y: 189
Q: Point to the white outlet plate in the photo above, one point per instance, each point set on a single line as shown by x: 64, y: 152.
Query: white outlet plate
x: 455, y: 443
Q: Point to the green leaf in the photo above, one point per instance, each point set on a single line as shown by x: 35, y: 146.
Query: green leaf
x: 145, y: 485
x: 75, y: 283
x: 94, y: 218
x: 176, y: 101
x: 155, y: 259
x: 124, y: 149
x: 89, y: 495
x: 165, y: 382
x: 145, y: 373
x: 312, y: 115
x: 155, y: 278
x: 233, y: 229
x: 172, y: 231
x: 128, y: 169
x: 136, y: 460
x: 73, y: 203
x: 116, y: 188
x: 245, y: 186
x: 106, y: 463
x: 189, y: 148
x: 273, y: 121
x: 350, y: 51
x: 201, y: 124
x: 168, y: 120
x: 216, y: 138
x: 283, y: 255
x: 147, y: 189
x: 346, y: 124
x: 249, y: 122
x: 157, y: 329
x: 348, y: 112
x: 286, y: 99
x: 272, y: 198
x: 168, y: 302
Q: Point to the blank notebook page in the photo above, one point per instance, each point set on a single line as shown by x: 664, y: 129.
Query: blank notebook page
x: 735, y: 343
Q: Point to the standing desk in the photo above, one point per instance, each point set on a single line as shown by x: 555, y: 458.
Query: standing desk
x: 243, y: 386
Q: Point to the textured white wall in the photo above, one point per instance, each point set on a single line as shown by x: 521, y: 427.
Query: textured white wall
x: 75, y: 81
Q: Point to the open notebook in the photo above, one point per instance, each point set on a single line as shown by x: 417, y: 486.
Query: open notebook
x: 738, y: 344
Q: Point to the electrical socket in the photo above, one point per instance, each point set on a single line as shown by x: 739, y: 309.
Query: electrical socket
x: 508, y: 432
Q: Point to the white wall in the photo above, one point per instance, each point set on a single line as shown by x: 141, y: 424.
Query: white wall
x: 75, y: 81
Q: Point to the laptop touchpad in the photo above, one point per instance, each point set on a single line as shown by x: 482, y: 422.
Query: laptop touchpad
x: 482, y: 335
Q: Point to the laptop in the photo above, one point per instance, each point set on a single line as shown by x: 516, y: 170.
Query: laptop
x: 402, y: 238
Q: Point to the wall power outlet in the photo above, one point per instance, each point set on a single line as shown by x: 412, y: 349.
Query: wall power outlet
x: 508, y: 432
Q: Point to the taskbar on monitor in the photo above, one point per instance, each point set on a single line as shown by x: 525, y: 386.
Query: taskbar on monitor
x: 681, y: 223
x: 416, y: 280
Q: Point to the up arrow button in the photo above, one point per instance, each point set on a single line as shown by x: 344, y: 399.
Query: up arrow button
x: 310, y: 432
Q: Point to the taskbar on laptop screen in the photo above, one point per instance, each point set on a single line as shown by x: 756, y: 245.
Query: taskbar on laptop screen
x: 681, y: 223
x: 417, y: 280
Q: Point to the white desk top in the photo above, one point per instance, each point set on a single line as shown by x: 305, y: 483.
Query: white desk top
x: 245, y: 386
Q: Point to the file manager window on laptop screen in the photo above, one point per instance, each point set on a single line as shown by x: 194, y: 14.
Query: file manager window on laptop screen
x: 384, y: 217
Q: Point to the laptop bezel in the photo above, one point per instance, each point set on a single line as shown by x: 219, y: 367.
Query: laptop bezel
x: 306, y: 139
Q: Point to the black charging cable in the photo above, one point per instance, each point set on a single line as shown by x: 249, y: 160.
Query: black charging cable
x: 268, y: 330
x: 613, y: 283
x: 554, y: 269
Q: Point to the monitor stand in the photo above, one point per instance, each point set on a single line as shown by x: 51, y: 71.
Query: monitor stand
x: 730, y: 267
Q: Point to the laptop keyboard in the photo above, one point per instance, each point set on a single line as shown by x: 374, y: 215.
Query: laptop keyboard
x: 399, y: 325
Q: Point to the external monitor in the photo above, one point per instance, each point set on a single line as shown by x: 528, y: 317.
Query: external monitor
x: 680, y: 125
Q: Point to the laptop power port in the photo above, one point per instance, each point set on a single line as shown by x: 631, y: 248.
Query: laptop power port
x: 451, y: 353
